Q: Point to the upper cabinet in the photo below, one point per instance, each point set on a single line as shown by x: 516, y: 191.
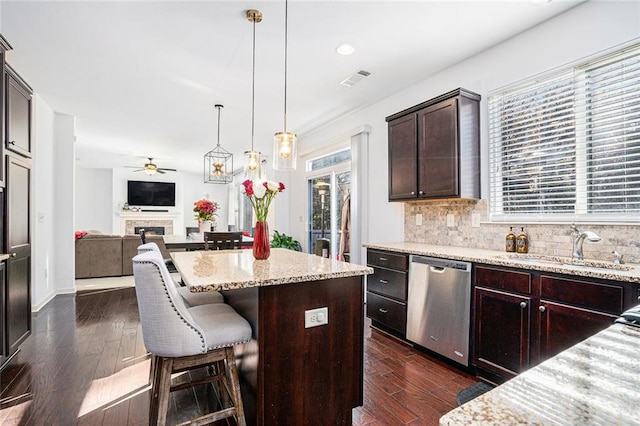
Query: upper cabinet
x: 18, y: 114
x: 434, y: 149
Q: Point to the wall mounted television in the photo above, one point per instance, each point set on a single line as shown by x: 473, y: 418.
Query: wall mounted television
x: 157, y: 194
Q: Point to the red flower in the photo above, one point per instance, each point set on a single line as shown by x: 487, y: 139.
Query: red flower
x: 281, y: 186
x: 248, y: 187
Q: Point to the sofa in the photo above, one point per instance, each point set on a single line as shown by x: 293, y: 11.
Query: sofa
x: 101, y: 255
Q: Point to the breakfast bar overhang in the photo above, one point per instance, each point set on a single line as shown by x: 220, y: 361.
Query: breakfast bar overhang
x: 291, y: 374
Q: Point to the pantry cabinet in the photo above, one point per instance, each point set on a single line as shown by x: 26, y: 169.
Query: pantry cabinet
x: 434, y: 149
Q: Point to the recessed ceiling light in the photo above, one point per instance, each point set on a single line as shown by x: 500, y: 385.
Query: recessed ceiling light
x: 345, y: 49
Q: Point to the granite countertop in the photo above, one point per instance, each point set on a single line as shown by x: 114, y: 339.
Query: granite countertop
x: 234, y: 269
x: 594, y: 382
x: 592, y: 269
x: 4, y: 256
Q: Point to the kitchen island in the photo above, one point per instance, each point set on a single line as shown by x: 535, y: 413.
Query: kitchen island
x: 290, y: 374
x: 595, y: 382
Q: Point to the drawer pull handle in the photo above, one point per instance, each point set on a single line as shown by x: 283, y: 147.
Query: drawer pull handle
x: 384, y: 311
x: 384, y: 281
x: 11, y: 142
x: 383, y: 259
x: 420, y: 192
x: 542, y: 309
x: 413, y: 192
x: 523, y: 305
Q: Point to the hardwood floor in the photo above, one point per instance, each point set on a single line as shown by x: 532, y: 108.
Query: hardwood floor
x: 85, y: 363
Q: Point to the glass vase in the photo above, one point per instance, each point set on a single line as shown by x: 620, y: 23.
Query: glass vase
x: 261, y: 248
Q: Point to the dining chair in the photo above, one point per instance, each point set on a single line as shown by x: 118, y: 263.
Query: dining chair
x: 181, y: 339
x: 191, y: 298
x: 223, y: 240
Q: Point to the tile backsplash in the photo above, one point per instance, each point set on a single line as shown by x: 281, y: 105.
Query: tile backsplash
x: 550, y: 239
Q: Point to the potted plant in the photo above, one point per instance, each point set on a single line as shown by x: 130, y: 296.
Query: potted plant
x: 285, y: 241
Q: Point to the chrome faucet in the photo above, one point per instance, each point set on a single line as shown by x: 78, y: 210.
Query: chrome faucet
x: 578, y: 240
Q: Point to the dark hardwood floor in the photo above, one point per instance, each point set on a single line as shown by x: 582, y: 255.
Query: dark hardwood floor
x: 85, y: 363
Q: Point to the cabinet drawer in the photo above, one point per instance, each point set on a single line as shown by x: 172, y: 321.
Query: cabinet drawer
x: 503, y: 280
x: 388, y: 283
x: 601, y: 297
x: 388, y: 260
x: 387, y: 312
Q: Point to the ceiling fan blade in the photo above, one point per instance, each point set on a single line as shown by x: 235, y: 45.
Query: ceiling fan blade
x: 132, y: 167
x: 160, y: 171
x: 139, y: 170
x: 167, y: 170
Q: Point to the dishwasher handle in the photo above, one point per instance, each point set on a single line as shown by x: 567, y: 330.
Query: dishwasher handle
x: 440, y: 264
x: 437, y: 269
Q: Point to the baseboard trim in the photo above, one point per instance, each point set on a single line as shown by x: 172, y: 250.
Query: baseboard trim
x: 36, y: 308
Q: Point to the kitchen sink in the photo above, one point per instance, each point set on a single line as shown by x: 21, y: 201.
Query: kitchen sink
x: 535, y: 259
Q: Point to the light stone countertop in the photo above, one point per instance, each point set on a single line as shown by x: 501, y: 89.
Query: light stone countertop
x: 596, y: 382
x: 4, y: 256
x: 233, y: 269
x: 626, y: 272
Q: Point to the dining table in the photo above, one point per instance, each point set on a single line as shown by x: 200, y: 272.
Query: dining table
x: 304, y: 364
x: 194, y: 242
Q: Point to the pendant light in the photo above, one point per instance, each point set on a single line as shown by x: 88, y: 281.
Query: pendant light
x: 285, y: 144
x: 254, y: 162
x: 218, y: 163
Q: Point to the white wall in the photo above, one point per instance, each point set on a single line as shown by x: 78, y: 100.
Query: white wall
x: 580, y: 32
x: 64, y: 150
x: 101, y: 192
x: 94, y: 201
x: 42, y: 202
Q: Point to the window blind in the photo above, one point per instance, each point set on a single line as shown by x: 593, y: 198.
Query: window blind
x: 569, y: 145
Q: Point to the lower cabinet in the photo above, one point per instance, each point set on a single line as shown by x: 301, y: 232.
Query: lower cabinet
x: 503, y: 331
x: 387, y: 291
x: 522, y: 318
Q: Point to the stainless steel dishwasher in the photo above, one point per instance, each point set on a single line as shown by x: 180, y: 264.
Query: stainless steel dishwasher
x: 438, y: 306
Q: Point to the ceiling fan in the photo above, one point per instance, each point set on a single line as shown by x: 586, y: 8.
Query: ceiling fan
x: 151, y: 169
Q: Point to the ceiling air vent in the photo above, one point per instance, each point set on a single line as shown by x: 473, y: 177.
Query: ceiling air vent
x: 354, y: 78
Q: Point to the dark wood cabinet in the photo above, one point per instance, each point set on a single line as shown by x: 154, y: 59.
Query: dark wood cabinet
x: 502, y: 321
x: 502, y: 331
x: 434, y: 149
x: 4, y: 47
x: 18, y: 279
x: 18, y: 114
x: 387, y: 291
x: 523, y: 318
x: 3, y: 331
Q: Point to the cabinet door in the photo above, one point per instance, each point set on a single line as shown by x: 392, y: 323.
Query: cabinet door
x: 438, y: 156
x: 563, y: 326
x: 18, y: 288
x: 502, y: 330
x: 403, y: 151
x: 3, y: 340
x: 18, y: 106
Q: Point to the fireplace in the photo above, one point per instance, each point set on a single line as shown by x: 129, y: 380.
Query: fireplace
x: 149, y: 230
x: 131, y: 222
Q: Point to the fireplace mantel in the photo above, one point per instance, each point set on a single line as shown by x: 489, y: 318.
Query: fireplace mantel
x: 129, y: 219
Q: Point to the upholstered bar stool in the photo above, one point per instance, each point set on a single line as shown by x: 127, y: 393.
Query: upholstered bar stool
x: 181, y: 339
x: 192, y: 299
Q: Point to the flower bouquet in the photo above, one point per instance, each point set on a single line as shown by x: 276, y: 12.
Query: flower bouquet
x: 205, y: 211
x: 261, y: 194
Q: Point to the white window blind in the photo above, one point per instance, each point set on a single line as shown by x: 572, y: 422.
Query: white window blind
x: 568, y: 146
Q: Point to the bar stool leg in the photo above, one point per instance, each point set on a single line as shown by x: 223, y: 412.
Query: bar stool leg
x: 232, y: 376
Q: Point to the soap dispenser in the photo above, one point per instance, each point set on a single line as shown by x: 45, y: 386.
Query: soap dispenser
x: 511, y: 241
x: 522, y: 242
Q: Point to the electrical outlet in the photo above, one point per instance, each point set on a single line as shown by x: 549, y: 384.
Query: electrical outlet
x: 316, y: 317
x: 451, y: 220
x: 418, y: 219
x: 475, y: 220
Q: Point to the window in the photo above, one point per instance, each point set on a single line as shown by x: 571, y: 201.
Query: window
x: 567, y: 146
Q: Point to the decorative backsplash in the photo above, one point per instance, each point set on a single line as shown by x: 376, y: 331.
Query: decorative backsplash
x: 546, y: 239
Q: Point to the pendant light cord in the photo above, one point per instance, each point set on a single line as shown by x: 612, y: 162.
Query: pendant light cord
x: 286, y: 49
x: 253, y: 84
x: 218, y: 107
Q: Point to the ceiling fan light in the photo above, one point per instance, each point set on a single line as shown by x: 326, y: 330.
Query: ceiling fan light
x: 285, y: 151
x: 150, y: 171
